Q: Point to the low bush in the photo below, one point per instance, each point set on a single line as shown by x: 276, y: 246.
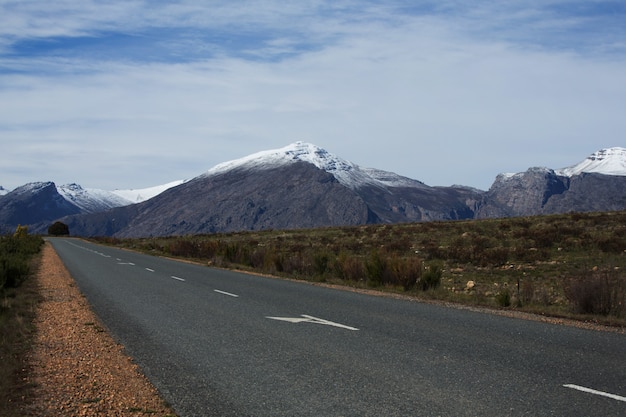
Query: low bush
x: 504, y: 298
x: 597, y: 292
x: 431, y: 278
x: 15, y: 254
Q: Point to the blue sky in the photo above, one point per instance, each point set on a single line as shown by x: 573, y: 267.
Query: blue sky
x: 132, y: 94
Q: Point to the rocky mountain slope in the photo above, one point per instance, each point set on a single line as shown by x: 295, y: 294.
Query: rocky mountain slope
x: 43, y: 202
x: 304, y: 186
x: 299, y: 186
x: 596, y: 184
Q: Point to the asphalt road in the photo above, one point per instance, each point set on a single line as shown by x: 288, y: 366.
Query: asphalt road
x: 220, y: 343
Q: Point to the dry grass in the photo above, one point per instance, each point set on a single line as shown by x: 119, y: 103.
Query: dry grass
x: 17, y: 312
x: 526, y: 264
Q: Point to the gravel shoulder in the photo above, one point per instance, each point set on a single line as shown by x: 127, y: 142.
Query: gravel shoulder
x: 75, y: 368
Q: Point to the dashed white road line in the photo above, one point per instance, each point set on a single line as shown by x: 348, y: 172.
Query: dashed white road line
x: 595, y: 392
x: 226, y: 293
x: 178, y: 278
x: 149, y: 270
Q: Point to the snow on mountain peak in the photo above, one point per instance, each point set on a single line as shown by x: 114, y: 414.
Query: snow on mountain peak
x: 143, y: 194
x: 347, y: 173
x: 91, y: 199
x: 298, y: 151
x: 609, y: 161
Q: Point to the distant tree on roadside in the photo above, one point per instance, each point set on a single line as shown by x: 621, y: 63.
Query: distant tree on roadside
x: 58, y: 229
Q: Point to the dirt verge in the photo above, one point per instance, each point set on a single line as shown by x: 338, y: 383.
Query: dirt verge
x: 75, y: 368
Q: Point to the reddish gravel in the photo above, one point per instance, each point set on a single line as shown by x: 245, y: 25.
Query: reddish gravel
x: 75, y: 367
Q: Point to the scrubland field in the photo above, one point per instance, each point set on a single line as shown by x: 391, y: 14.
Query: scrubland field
x: 571, y: 265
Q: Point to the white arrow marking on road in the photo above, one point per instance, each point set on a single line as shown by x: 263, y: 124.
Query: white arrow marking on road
x: 310, y: 319
x: 596, y: 392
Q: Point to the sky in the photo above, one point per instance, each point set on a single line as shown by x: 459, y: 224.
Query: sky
x: 132, y: 94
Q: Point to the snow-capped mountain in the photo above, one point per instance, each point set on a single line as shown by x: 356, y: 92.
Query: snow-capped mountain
x: 91, y: 200
x: 303, y: 186
x: 596, y: 184
x: 3, y: 191
x: 609, y: 161
x: 347, y: 173
x: 298, y: 186
x: 143, y: 194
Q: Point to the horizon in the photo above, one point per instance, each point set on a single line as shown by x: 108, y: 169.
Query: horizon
x: 175, y: 182
x: 131, y: 95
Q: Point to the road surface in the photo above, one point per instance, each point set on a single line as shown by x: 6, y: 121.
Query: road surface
x: 222, y: 343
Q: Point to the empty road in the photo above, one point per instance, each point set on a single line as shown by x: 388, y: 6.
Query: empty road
x: 221, y: 343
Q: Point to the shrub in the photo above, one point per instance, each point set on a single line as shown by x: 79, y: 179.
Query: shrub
x: 15, y: 253
x: 13, y: 270
x: 612, y: 244
x: 320, y: 262
x: 183, y: 247
x: 349, y: 268
x: 21, y: 231
x: 431, y: 278
x: 375, y: 268
x: 599, y: 292
x: 504, y: 298
x: 406, y: 272
x: 495, y: 256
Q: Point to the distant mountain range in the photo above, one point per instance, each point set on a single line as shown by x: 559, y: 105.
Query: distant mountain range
x: 304, y: 186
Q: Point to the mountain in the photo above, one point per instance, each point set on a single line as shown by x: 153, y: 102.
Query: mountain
x: 3, y: 191
x: 304, y: 186
x: 91, y: 200
x: 596, y: 184
x: 298, y: 186
x: 143, y: 194
x: 609, y: 161
x: 40, y: 203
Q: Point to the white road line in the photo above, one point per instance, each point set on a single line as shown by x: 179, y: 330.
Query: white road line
x: 178, y: 279
x: 148, y: 269
x: 227, y: 293
x: 596, y: 392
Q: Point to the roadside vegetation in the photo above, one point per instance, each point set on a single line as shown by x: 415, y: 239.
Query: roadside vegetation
x: 18, y: 300
x: 571, y: 265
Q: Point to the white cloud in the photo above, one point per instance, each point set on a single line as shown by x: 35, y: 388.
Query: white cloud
x: 432, y: 96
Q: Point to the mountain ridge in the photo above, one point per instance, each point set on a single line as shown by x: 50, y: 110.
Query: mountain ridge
x: 302, y: 185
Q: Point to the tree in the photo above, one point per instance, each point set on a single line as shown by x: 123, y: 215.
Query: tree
x: 58, y: 229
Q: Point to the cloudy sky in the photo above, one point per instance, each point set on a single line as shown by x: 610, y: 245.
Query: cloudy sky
x: 131, y: 94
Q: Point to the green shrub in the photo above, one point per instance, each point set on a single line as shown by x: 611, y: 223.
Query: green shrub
x: 15, y: 254
x: 504, y: 298
x: 375, y: 268
x: 13, y: 270
x: 431, y: 278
